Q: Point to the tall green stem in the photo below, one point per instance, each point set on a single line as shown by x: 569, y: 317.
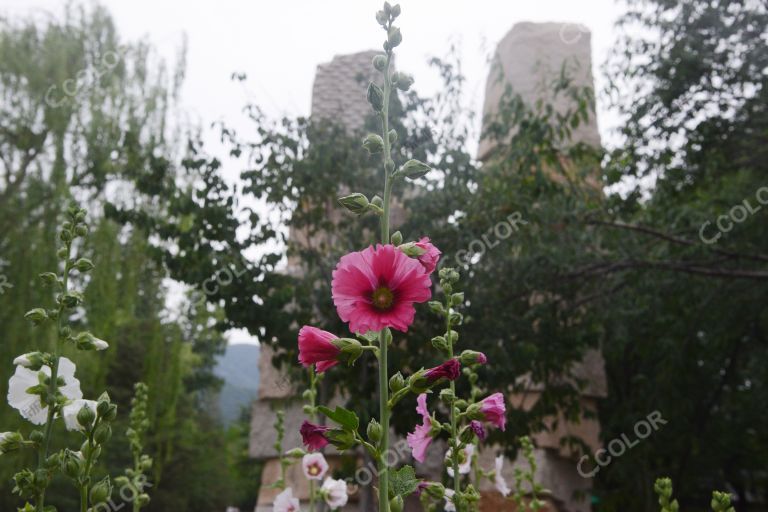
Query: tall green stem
x: 313, y: 417
x: 52, y: 386
x: 454, y: 440
x: 383, y: 363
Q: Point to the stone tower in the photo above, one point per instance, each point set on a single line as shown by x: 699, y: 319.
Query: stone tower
x: 530, y: 56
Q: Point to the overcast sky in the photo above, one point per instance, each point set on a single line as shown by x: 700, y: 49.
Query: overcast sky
x: 279, y: 43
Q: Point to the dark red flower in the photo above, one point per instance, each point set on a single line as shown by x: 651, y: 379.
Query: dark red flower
x: 450, y: 369
x: 313, y: 436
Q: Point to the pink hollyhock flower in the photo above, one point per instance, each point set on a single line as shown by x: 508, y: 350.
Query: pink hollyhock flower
x: 494, y: 410
x: 450, y: 369
x: 314, y: 466
x: 478, y: 429
x: 432, y: 255
x: 377, y: 287
x: 285, y: 502
x: 313, y: 435
x: 316, y: 347
x: 421, y: 437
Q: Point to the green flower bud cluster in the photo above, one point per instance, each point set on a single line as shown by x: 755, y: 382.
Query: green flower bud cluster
x: 135, y: 477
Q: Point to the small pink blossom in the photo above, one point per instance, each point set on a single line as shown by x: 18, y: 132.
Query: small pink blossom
x: 421, y: 437
x: 450, y: 370
x: 314, y: 466
x: 316, y: 347
x: 313, y: 436
x: 478, y: 429
x: 432, y: 255
x: 494, y: 410
x: 377, y: 287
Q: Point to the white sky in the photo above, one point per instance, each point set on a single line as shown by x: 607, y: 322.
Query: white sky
x: 278, y: 44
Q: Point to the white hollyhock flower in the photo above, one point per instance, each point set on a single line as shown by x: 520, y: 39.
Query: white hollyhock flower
x: 449, y: 506
x: 285, y: 502
x: 23, y: 360
x: 71, y: 410
x: 465, y: 466
x: 314, y: 466
x: 100, y: 344
x: 29, y: 405
x: 334, y: 492
x: 498, y: 478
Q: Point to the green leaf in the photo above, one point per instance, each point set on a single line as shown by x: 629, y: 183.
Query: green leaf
x: 403, y: 482
x: 342, y: 416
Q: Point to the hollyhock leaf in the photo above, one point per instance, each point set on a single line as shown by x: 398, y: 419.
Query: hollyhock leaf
x: 344, y: 417
x: 341, y: 439
x: 403, y: 482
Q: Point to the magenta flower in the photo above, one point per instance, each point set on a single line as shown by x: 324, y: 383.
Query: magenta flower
x: 377, y: 287
x: 494, y: 410
x: 313, y: 436
x: 432, y: 255
x: 316, y: 347
x: 478, y: 429
x: 451, y: 369
x: 421, y: 437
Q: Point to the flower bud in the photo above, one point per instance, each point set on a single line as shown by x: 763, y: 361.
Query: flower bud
x: 377, y: 201
x: 394, y: 37
x: 36, y: 316
x: 447, y: 396
x: 71, y: 463
x: 469, y: 357
x: 395, y: 11
x: 62, y: 253
x: 396, y: 238
x: 296, y: 453
x: 84, y: 265
x: 457, y: 298
x: 102, y: 434
x: 374, y: 431
x: 49, y: 278
x: 392, y: 136
x: 413, y: 169
x: 440, y: 343
x: 396, y: 504
x: 85, y: 416
x: 380, y: 62
x: 101, y: 491
x: 396, y: 382
x: 402, y: 81
x: 10, y: 441
x: 412, y: 250
x: 382, y: 18
x: 373, y: 143
x: 356, y: 203
x: 81, y: 230
x: 375, y: 97
x: 32, y: 360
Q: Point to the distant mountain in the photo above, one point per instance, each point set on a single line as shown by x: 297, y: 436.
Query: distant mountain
x: 239, y: 368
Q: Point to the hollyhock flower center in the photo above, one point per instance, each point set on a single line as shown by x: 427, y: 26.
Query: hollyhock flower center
x: 314, y: 469
x: 382, y: 298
